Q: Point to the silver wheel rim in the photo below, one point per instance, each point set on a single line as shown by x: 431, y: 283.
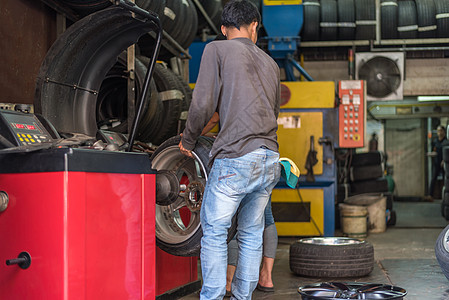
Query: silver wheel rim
x: 355, y: 290
x: 331, y: 241
x: 170, y: 226
x: 446, y: 241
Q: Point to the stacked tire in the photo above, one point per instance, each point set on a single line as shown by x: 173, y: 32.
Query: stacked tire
x: 356, y: 19
x: 179, y: 19
x: 366, y: 176
x: 167, y: 102
x: 213, y: 9
x: 82, y: 83
x: 366, y: 173
x: 445, y: 202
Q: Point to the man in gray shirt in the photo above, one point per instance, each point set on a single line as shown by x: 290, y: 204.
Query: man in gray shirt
x: 241, y: 83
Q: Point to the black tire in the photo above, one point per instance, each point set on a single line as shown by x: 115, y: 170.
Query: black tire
x: 346, y: 20
x: 86, y: 7
x: 166, y: 81
x: 407, y: 20
x: 146, y: 43
x: 82, y: 56
x: 311, y: 27
x: 170, y: 237
x: 112, y: 100
x: 171, y: 15
x: 367, y: 159
x: 213, y: 9
x: 184, y: 23
x: 329, y: 21
x: 187, y: 91
x: 427, y: 25
x: 442, y: 17
x: 365, y: 172
x: 319, y: 257
x: 156, y: 6
x: 369, y: 186
x: 389, y: 19
x: 151, y: 120
x: 365, y: 15
x: 189, y: 32
x: 442, y: 251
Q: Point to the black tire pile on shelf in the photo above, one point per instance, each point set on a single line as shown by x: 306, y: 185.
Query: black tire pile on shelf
x: 164, y: 107
x: 366, y: 176
x: 82, y: 82
x: 214, y: 9
x: 181, y: 19
x: 445, y: 202
x: 356, y: 19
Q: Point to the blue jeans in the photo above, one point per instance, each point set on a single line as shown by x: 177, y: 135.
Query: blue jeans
x: 269, y: 220
x: 247, y: 182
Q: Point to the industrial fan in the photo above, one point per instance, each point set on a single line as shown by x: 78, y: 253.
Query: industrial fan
x: 383, y: 73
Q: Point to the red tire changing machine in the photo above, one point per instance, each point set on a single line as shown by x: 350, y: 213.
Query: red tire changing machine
x: 78, y: 223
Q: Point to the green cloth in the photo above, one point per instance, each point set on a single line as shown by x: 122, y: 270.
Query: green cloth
x: 289, y: 172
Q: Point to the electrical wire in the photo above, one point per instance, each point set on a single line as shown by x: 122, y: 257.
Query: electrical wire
x: 308, y: 212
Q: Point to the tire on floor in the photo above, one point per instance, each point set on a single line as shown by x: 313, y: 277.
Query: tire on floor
x: 334, y: 257
x: 442, y: 251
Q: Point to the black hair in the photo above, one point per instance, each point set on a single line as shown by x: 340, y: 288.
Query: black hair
x: 240, y: 12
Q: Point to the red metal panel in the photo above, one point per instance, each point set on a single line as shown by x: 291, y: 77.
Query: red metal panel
x: 33, y: 223
x: 85, y: 232
x: 174, y: 271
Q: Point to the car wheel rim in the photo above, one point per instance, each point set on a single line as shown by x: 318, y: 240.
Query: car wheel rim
x: 356, y: 290
x: 446, y: 241
x: 331, y: 241
x: 179, y: 221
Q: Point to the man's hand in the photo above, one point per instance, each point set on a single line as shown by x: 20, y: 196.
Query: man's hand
x: 184, y: 150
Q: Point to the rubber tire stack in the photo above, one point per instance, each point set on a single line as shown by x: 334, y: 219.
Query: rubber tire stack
x: 311, y: 27
x: 366, y: 176
x: 389, y: 19
x: 179, y: 19
x: 407, y: 20
x: 366, y: 173
x: 445, y: 202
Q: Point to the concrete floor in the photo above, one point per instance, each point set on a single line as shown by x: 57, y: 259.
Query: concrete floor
x: 404, y: 257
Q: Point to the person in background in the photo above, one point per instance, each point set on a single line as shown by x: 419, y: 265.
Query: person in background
x: 373, y: 142
x: 270, y: 242
x: 241, y: 83
x: 437, y: 152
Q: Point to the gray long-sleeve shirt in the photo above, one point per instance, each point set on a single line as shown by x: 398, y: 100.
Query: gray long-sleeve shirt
x: 242, y: 83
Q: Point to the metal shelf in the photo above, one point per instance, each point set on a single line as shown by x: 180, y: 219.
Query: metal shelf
x: 400, y: 42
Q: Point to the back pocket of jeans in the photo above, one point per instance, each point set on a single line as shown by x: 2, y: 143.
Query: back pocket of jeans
x: 235, y: 177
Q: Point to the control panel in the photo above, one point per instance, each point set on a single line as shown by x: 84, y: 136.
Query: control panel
x: 111, y: 137
x: 351, y: 112
x: 21, y: 129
